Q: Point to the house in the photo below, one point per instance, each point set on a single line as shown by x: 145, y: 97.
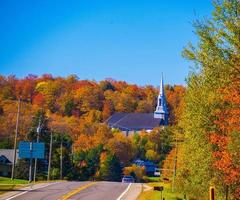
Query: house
x: 149, y: 166
x: 6, y: 160
x: 134, y: 122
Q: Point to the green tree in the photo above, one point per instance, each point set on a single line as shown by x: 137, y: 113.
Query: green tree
x: 110, y: 169
x: 215, y: 57
x: 22, y: 169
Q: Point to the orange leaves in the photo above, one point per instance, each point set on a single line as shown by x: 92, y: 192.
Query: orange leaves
x: 39, y: 100
x: 175, y: 101
x: 228, y: 121
x: 122, y: 147
x: 91, y: 136
x: 88, y: 98
x: 108, y: 109
x: 219, y: 140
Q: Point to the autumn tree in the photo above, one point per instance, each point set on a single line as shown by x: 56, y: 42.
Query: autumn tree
x: 110, y: 168
x: 209, y: 119
x: 122, y: 147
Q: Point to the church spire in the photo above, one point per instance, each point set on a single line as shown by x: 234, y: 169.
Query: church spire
x: 161, y: 91
x: 161, y: 111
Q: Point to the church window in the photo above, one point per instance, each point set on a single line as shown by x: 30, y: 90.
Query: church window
x: 160, y: 102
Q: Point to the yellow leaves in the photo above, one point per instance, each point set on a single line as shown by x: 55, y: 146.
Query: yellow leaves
x: 8, y: 118
x: 152, y: 155
x: 88, y: 98
x: 99, y: 134
x: 122, y: 147
x: 137, y: 170
x: 40, y: 86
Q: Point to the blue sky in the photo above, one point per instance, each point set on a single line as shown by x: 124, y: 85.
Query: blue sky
x: 131, y: 40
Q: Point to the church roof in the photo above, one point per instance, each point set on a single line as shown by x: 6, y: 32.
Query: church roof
x: 134, y: 121
x: 8, y: 154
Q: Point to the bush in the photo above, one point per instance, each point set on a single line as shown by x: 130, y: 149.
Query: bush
x: 136, y: 171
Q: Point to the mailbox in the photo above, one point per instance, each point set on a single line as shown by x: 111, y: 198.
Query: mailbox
x: 158, y: 188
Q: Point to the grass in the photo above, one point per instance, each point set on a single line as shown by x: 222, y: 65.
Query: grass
x: 156, y: 195
x: 4, y: 180
x: 151, y: 178
x: 6, y: 184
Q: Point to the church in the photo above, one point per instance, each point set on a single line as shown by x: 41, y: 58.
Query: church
x: 134, y: 122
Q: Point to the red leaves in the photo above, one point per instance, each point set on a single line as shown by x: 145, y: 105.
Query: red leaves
x: 39, y: 100
x: 228, y: 120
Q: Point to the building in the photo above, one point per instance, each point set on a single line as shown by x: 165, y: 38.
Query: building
x: 6, y: 160
x: 149, y: 166
x: 134, y: 122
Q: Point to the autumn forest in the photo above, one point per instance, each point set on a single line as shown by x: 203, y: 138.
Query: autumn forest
x: 201, y: 143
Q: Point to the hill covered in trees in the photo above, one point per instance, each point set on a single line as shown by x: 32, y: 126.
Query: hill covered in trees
x: 74, y: 111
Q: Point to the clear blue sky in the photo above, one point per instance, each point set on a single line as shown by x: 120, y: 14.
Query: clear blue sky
x: 131, y: 40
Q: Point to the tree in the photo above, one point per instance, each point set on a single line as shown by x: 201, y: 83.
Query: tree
x: 122, y: 147
x: 106, y: 85
x: 136, y: 171
x: 216, y: 57
x: 175, y: 99
x: 88, y: 98
x: 110, y: 169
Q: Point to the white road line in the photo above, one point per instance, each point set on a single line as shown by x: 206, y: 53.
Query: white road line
x: 12, y: 197
x: 124, y: 192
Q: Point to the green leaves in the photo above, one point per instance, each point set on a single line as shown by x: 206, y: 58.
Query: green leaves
x: 216, y: 64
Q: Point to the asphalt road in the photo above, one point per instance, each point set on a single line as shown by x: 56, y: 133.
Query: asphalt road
x: 101, y: 191
x: 97, y: 191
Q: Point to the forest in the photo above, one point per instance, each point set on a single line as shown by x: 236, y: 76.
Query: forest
x: 74, y: 111
x: 201, y: 142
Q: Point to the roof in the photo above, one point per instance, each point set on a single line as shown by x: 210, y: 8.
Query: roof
x: 8, y: 153
x: 4, y: 160
x: 134, y: 121
x: 149, y: 166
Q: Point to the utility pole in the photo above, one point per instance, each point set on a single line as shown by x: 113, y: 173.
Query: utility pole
x: 30, y: 164
x: 50, y: 157
x: 175, y: 165
x: 38, y: 133
x: 72, y: 153
x: 61, y: 157
x: 15, y: 140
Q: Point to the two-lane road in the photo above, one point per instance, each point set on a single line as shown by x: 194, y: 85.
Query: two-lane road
x: 101, y: 190
x: 75, y: 190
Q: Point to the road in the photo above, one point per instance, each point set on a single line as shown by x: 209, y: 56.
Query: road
x: 75, y: 190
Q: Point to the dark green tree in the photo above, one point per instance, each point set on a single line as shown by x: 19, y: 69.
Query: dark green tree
x: 110, y: 169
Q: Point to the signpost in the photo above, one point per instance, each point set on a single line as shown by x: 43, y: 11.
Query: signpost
x: 211, y: 190
x: 159, y: 188
x: 31, y: 150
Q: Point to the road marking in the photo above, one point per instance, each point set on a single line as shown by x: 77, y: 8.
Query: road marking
x: 124, y: 192
x: 75, y: 191
x: 12, y: 197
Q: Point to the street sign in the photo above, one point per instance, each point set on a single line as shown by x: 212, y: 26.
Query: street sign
x: 31, y: 149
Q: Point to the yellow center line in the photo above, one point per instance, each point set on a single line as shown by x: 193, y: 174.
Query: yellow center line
x: 75, y: 191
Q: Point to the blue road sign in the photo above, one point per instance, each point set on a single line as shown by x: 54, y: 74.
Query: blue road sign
x: 31, y: 149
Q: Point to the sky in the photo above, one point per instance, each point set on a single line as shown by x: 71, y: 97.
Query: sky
x: 130, y: 40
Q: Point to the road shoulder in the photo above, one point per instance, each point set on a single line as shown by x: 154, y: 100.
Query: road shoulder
x: 24, y: 190
x: 133, y: 192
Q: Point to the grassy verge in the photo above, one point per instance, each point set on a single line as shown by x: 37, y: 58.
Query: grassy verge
x: 4, y: 180
x: 6, y: 184
x: 156, y: 195
x: 151, y: 178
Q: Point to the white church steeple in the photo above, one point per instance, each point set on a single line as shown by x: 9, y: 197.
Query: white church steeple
x: 161, y: 111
